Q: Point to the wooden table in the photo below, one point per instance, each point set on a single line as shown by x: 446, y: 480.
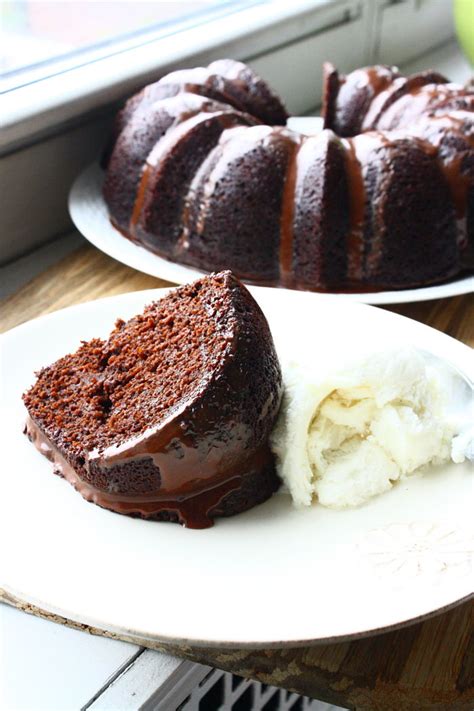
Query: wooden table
x: 429, y: 665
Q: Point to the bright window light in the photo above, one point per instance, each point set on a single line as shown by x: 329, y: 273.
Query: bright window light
x: 39, y: 39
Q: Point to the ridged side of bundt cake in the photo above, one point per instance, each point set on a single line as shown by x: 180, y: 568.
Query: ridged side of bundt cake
x: 347, y: 99
x: 169, y: 418
x: 409, y: 217
x: 225, y: 80
x: 160, y: 207
x: 146, y: 126
x: 240, y: 188
x: 381, y: 198
x: 321, y: 214
x: 437, y: 117
x: 379, y: 98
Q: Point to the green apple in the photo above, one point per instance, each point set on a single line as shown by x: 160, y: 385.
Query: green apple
x: 464, y: 20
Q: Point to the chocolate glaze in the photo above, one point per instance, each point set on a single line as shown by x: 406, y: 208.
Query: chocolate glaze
x: 192, y: 503
x: 186, y: 117
x: 459, y: 183
x: 141, y: 194
x: 145, y: 128
x: 355, y: 238
x: 358, y: 151
x: 399, y: 87
x: 378, y: 78
x: 406, y: 110
x: 160, y: 215
x: 287, y: 213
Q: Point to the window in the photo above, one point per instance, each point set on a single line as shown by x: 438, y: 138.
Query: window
x: 44, y: 38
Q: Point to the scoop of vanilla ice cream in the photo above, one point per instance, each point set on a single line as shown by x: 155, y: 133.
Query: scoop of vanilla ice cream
x: 349, y: 436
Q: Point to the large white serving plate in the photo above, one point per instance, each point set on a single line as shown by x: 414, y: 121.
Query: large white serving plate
x: 272, y: 576
x: 89, y: 213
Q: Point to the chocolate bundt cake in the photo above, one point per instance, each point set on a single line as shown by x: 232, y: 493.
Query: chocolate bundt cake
x: 169, y: 418
x: 382, y: 198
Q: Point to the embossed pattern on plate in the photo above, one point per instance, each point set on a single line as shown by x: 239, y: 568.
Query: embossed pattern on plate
x: 406, y: 550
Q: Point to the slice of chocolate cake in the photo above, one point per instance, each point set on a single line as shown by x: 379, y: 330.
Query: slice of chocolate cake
x: 169, y: 418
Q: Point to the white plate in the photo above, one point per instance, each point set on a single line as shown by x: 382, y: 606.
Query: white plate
x: 271, y: 576
x: 89, y: 213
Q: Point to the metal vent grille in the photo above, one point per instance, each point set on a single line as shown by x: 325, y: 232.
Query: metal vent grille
x: 222, y: 691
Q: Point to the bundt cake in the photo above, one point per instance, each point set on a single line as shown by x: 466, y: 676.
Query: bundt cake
x: 169, y: 418
x: 382, y: 198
